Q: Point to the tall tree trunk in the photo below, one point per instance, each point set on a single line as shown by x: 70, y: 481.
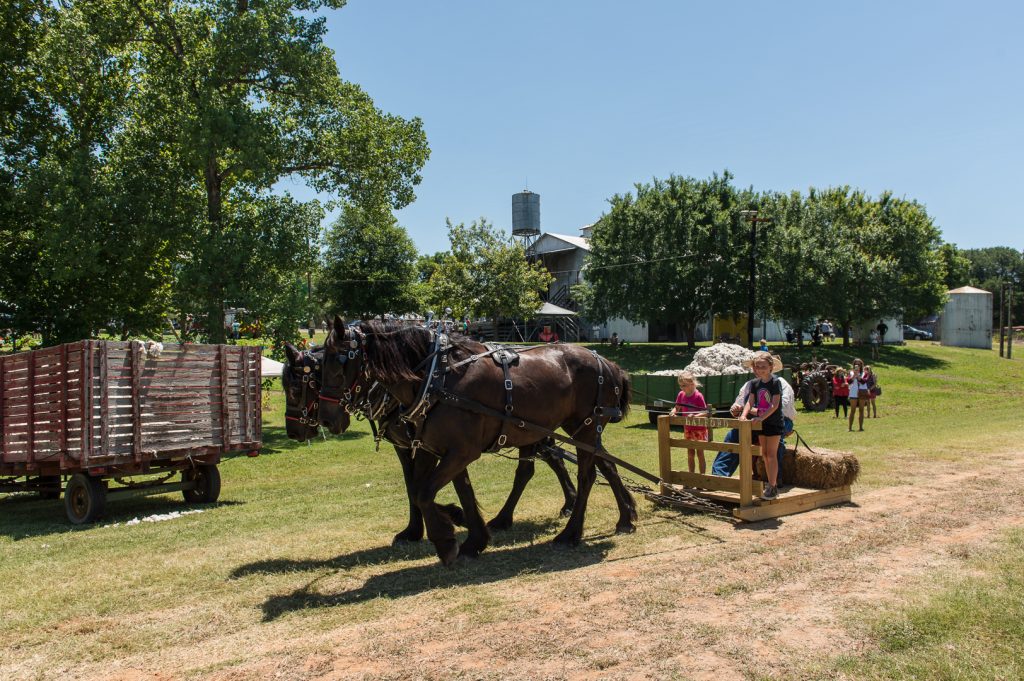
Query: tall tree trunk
x: 215, y: 285
x: 846, y: 332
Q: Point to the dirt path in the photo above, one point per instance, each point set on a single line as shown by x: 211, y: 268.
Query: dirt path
x: 753, y: 601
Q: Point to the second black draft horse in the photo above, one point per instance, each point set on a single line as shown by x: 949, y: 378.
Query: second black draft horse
x: 442, y: 388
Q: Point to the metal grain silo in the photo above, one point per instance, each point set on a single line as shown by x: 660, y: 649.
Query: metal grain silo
x: 525, y: 214
x: 967, y: 318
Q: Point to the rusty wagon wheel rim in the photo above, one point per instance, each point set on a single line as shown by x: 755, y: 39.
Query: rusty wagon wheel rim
x: 80, y: 500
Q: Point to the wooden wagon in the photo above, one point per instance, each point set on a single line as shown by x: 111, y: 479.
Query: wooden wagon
x: 81, y: 416
x: 744, y: 491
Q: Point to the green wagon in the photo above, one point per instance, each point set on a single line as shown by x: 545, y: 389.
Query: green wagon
x: 658, y: 393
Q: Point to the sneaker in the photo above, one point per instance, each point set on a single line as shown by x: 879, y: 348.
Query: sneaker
x: 770, y: 492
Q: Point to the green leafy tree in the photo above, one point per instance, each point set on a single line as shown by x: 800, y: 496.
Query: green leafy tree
x: 369, y: 265
x: 838, y: 253
x: 793, y: 272
x: 245, y: 94
x: 141, y: 139
x: 905, y: 243
x: 670, y: 253
x: 956, y: 266
x: 483, y: 275
x: 268, y: 281
x: 76, y: 256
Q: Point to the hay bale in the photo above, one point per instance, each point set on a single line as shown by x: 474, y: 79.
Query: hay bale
x: 821, y: 469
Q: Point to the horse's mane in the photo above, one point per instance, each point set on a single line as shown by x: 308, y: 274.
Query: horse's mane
x: 394, y: 350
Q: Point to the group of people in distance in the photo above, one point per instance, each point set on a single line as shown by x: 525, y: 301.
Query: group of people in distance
x: 766, y: 398
x: 855, y: 391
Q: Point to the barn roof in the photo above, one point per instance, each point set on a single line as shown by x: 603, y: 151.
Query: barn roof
x: 969, y: 289
x: 554, y: 243
x: 552, y: 310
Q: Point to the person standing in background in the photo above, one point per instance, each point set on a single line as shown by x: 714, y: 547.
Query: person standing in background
x: 840, y: 392
x: 858, y: 392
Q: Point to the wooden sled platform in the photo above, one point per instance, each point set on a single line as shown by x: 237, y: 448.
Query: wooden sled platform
x: 743, y: 491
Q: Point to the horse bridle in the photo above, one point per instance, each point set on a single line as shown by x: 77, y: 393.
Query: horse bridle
x: 349, y: 398
x: 307, y: 412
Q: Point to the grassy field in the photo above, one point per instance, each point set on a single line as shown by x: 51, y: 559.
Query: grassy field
x: 299, y: 544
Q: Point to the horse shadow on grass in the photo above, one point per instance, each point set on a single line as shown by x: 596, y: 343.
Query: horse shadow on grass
x: 501, y: 561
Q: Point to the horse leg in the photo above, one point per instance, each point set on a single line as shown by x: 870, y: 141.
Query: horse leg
x: 420, y: 468
x: 557, y: 465
x: 572, y: 533
x: 414, y: 530
x: 524, y: 472
x: 440, y: 529
x: 624, y: 500
x: 479, y: 537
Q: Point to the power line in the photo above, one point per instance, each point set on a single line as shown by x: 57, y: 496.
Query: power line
x: 594, y: 267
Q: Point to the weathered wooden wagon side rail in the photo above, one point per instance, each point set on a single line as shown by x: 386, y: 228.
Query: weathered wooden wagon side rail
x: 107, y: 408
x: 104, y: 403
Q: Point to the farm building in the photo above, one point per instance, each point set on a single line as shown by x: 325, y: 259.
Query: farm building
x: 563, y: 256
x: 967, y: 318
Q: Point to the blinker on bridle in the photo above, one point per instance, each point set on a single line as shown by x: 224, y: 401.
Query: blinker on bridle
x: 308, y: 408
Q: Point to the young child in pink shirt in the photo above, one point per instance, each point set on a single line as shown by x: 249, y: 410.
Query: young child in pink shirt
x: 690, y: 402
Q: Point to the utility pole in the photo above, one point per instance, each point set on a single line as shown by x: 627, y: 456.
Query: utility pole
x: 751, y: 215
x: 1009, y: 322
x: 1002, y: 319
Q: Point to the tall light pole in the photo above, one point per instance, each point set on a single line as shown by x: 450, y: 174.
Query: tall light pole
x: 751, y: 215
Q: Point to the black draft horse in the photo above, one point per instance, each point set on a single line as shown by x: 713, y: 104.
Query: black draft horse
x: 552, y: 386
x: 300, y: 378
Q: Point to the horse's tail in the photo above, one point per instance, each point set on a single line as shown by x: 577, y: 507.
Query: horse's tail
x: 625, y: 392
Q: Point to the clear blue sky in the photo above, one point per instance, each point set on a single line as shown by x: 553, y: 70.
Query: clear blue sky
x: 582, y: 99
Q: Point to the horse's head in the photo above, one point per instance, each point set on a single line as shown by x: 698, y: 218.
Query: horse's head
x: 301, y: 378
x: 343, y: 360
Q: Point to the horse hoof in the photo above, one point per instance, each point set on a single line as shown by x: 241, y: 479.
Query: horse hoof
x: 625, y: 528
x: 447, y: 551
x: 500, y: 523
x: 468, y: 552
x: 407, y: 537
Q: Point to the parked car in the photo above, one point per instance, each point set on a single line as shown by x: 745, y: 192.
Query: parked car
x: 914, y: 333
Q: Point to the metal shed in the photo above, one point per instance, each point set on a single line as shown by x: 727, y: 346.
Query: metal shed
x: 967, y: 318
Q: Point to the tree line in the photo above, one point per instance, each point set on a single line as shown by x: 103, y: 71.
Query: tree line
x: 677, y: 250
x: 144, y: 144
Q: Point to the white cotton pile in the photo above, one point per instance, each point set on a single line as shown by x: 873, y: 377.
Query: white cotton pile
x: 158, y: 517
x: 721, y: 358
x: 150, y: 349
x: 153, y: 349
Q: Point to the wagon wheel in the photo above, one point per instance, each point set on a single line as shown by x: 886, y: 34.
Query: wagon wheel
x: 815, y: 391
x: 207, y: 479
x: 84, y: 498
